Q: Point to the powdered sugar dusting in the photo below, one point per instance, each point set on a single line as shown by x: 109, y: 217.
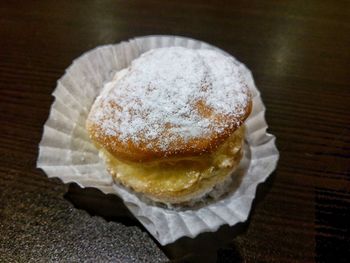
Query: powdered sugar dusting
x: 155, y: 101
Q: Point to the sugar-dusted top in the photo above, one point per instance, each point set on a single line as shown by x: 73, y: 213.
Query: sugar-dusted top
x: 171, y: 100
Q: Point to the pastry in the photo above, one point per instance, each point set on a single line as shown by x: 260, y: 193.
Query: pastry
x: 171, y: 125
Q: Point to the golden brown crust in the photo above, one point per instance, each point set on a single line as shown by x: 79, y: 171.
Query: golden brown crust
x: 171, y: 102
x: 134, y: 152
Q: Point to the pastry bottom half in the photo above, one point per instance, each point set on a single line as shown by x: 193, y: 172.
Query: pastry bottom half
x: 182, y: 180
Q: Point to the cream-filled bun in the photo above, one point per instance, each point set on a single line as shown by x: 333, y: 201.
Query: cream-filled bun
x: 170, y: 126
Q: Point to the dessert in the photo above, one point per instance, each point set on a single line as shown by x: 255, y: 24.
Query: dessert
x: 171, y: 126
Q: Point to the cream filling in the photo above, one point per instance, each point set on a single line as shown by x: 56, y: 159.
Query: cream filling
x: 170, y: 177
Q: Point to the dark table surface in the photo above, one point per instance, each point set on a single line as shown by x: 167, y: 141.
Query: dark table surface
x: 299, y: 53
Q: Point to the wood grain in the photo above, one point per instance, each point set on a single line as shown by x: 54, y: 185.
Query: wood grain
x: 299, y: 54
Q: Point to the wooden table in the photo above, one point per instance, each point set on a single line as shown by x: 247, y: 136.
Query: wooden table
x: 299, y: 53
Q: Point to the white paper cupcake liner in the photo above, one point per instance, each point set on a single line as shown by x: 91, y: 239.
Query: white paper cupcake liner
x: 67, y: 153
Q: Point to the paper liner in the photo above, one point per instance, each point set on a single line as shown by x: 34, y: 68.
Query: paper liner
x: 67, y: 153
